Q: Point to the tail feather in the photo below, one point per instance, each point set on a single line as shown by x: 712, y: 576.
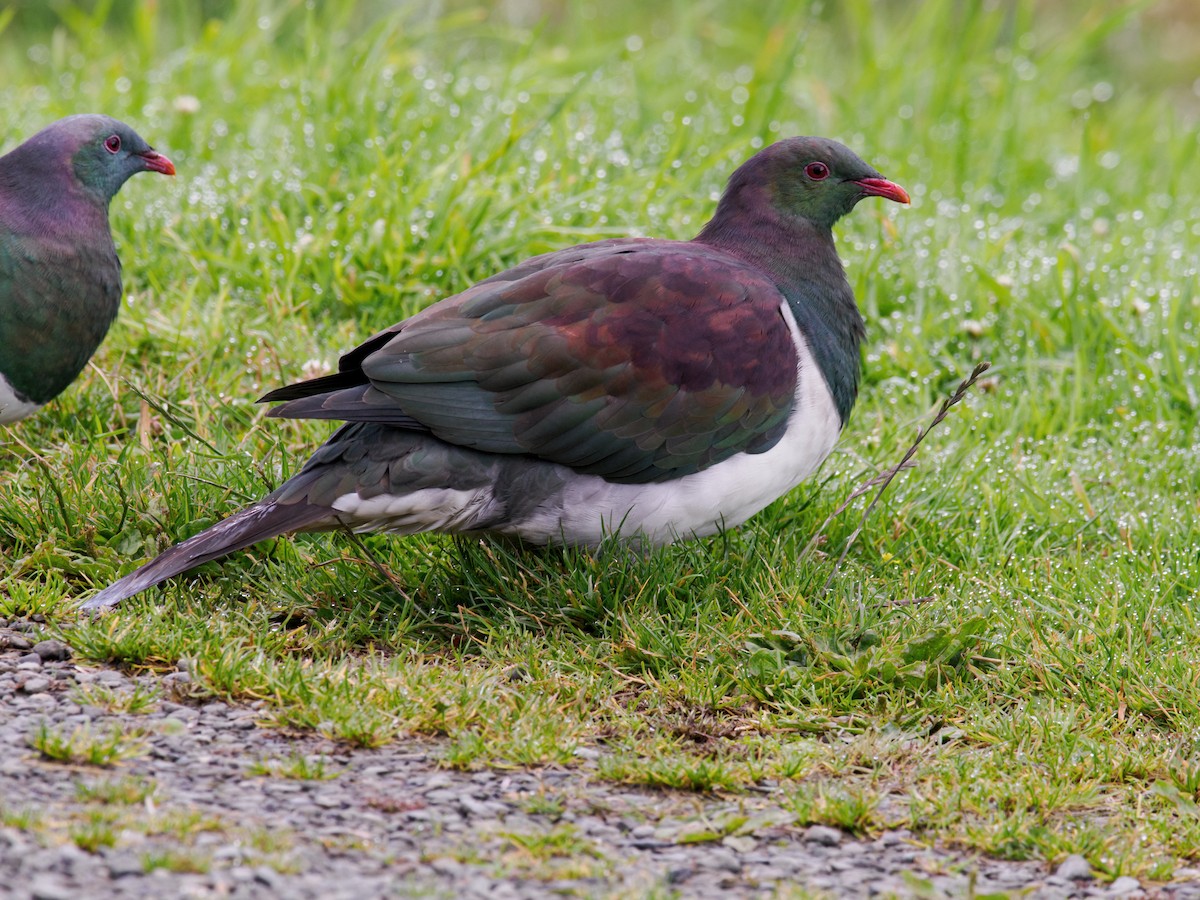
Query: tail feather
x: 354, y: 404
x: 242, y: 529
x: 315, y: 386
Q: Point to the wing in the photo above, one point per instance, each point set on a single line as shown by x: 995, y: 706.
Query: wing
x: 636, y: 360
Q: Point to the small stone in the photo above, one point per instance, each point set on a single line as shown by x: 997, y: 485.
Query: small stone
x: 722, y: 858
x: 1073, y: 868
x: 17, y: 642
x: 47, y: 888
x: 68, y: 857
x: 1124, y: 885
x: 445, y: 866
x: 823, y: 835
x: 122, y: 865
x: 36, y: 685
x: 483, y: 809
x: 266, y: 876
x: 482, y: 886
x: 178, y: 710
x: 740, y: 843
x: 679, y: 875
x: 29, y: 660
x: 52, y: 650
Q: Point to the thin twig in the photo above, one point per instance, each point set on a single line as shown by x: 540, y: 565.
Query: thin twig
x: 854, y: 495
x: 885, y: 478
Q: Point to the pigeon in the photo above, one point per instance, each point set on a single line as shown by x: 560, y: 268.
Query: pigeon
x: 635, y: 389
x: 60, y: 279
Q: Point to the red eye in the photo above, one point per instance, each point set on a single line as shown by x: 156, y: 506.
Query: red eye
x: 816, y: 171
x: 112, y: 143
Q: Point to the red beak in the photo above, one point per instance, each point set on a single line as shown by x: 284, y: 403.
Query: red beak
x: 156, y: 162
x: 881, y: 187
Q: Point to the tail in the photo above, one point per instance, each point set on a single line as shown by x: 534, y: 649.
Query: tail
x: 256, y: 523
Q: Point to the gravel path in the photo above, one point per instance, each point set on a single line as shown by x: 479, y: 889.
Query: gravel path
x: 188, y: 817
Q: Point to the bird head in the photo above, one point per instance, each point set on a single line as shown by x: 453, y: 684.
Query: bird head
x: 103, y: 152
x: 819, y: 179
x: 804, y: 179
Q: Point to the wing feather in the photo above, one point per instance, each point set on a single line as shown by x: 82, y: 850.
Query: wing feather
x: 635, y: 360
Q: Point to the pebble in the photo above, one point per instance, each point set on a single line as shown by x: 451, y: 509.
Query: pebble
x: 123, y: 864
x: 36, y: 685
x: 52, y: 649
x: 394, y: 816
x: 1074, y: 867
x: 1124, y: 885
x: 823, y: 835
x: 45, y: 887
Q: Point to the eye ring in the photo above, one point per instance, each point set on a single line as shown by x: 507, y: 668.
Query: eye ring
x: 112, y: 143
x: 817, y: 171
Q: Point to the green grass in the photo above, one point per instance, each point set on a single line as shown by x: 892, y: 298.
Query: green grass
x: 137, y: 701
x: 558, y: 853
x: 126, y: 791
x: 1006, y: 659
x: 95, y: 831
x: 297, y: 767
x: 119, y: 813
x: 83, y: 746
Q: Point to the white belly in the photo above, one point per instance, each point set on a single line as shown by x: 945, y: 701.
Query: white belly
x: 723, y: 496
x: 12, y: 408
